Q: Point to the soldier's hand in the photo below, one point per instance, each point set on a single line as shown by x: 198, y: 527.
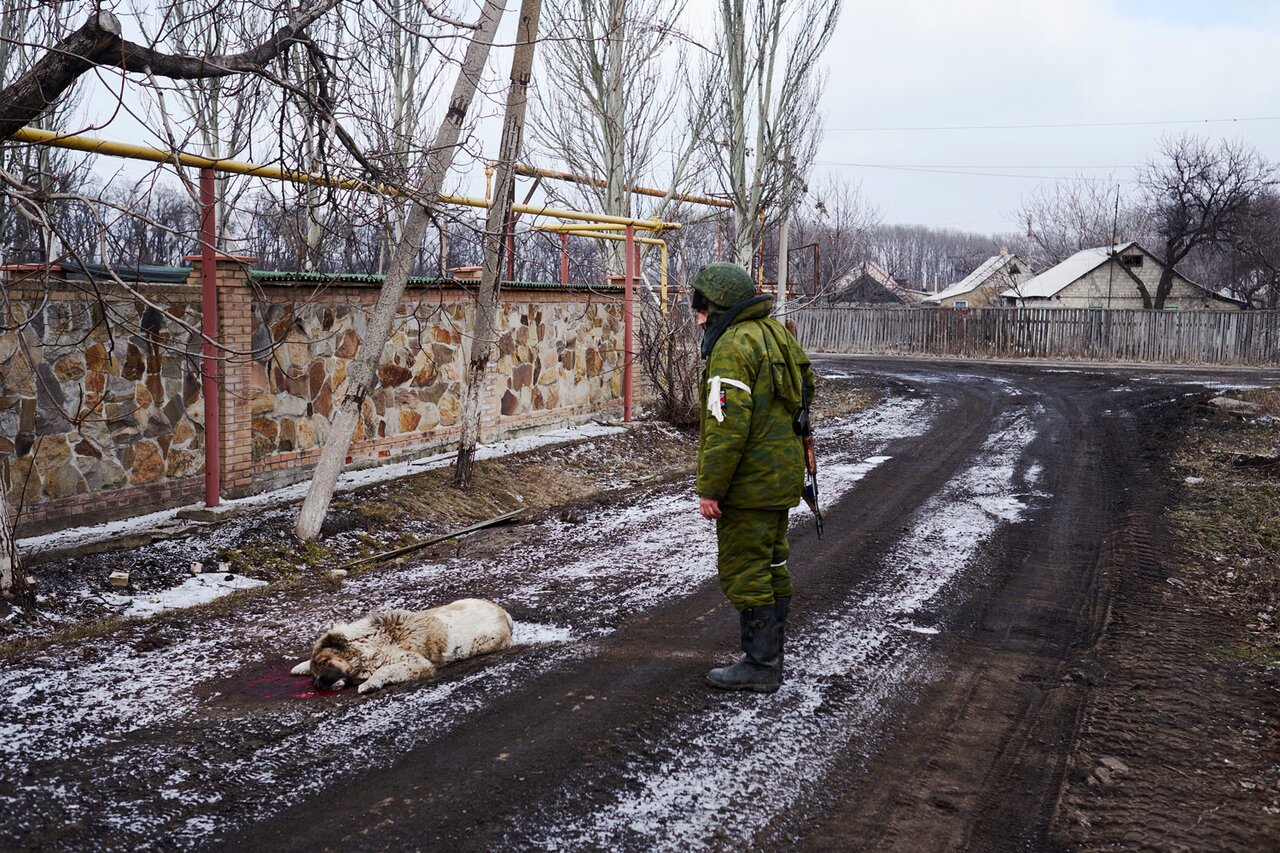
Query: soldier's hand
x: 709, y: 508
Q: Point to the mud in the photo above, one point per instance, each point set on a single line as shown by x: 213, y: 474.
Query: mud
x: 966, y: 644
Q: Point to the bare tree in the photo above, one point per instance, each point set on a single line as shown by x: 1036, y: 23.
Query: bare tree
x: 1080, y: 213
x: 1256, y: 249
x: 764, y: 90
x: 219, y: 111
x: 1200, y: 194
x: 484, y: 333
x: 836, y: 217
x: 615, y: 97
x: 11, y: 575
x: 362, y: 372
x: 98, y: 42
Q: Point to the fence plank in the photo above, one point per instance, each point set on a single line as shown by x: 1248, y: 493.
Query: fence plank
x: 1161, y: 337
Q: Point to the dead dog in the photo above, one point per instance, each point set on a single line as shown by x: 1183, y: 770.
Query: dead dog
x: 404, y: 645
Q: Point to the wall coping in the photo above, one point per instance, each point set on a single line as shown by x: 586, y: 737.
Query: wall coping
x: 284, y: 277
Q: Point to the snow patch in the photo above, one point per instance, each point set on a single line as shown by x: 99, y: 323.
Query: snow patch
x: 200, y: 589
x: 842, y: 671
x: 530, y: 634
x: 349, y: 481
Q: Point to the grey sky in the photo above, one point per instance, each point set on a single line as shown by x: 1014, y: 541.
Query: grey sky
x: 936, y: 63
x: 930, y: 63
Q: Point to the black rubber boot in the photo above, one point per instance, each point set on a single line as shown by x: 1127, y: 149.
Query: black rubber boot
x: 759, y: 669
x: 781, y: 606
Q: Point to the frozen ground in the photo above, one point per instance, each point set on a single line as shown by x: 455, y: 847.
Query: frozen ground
x: 841, y: 672
x: 349, y: 481
x: 929, y: 667
x: 168, y: 707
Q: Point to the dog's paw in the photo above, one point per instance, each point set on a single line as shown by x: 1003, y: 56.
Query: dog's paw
x: 368, y: 687
x: 303, y: 668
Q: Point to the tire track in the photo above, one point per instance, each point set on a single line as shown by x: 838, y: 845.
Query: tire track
x: 639, y: 682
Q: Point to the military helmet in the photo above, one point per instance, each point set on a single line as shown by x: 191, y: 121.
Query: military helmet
x: 723, y: 285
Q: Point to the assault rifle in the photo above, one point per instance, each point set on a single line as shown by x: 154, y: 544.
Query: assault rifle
x: 800, y: 423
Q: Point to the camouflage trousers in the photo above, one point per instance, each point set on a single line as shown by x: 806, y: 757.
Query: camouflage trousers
x: 753, y: 556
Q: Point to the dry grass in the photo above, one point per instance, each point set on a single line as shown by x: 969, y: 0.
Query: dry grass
x: 1230, y: 521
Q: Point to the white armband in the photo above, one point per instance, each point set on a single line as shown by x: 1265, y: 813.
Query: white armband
x: 715, y: 397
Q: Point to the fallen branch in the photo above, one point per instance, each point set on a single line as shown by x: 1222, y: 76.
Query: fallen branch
x: 418, y: 546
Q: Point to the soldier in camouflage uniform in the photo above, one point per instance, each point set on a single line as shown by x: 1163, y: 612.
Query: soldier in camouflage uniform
x: 750, y: 461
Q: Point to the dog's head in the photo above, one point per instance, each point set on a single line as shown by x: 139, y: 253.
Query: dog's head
x: 335, y: 662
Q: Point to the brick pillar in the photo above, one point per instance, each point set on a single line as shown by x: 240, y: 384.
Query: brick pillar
x: 235, y: 322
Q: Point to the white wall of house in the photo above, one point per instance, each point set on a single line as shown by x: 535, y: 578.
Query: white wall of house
x: 985, y: 294
x: 1108, y: 286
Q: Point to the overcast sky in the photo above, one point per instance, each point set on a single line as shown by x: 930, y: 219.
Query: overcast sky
x: 901, y: 69
x: 943, y: 63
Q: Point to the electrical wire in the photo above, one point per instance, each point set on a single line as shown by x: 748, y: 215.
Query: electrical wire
x: 945, y: 171
x: 1054, y: 126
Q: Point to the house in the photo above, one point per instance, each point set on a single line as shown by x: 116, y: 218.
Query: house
x: 869, y: 284
x: 1106, y: 277
x: 984, y: 285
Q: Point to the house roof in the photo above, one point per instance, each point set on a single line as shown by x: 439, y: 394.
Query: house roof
x: 973, y: 280
x: 1054, y: 279
x: 871, y: 270
x: 1048, y: 283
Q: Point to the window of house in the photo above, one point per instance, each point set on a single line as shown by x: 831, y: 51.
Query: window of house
x: 1133, y: 261
x: 1013, y: 270
x: 960, y: 303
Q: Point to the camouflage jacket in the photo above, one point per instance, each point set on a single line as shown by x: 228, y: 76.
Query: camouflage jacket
x: 748, y: 455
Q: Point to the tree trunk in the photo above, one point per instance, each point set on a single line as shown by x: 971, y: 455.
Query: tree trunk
x: 11, y: 580
x: 1165, y: 286
x: 362, y: 373
x: 1138, y: 282
x: 615, y: 132
x: 784, y: 231
x: 484, y: 333
x: 780, y: 302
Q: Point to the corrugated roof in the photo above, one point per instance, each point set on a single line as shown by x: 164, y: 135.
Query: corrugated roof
x: 1054, y: 279
x: 289, y: 277
x: 138, y: 272
x: 973, y: 280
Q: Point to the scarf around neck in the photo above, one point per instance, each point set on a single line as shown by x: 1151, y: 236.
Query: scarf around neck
x: 725, y: 320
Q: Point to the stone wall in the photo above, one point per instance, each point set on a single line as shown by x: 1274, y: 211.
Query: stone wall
x: 558, y: 360
x: 100, y: 401
x: 101, y: 414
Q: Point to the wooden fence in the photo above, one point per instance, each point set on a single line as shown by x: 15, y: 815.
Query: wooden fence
x: 1164, y: 337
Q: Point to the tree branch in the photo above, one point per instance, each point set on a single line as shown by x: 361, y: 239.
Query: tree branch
x: 99, y: 42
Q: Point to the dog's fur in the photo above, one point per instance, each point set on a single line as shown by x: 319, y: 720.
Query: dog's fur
x: 404, y: 645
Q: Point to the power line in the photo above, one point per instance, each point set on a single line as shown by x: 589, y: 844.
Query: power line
x: 1052, y: 126
x: 945, y: 171
x: 969, y: 166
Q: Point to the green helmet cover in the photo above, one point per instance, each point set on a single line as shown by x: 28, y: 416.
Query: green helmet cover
x: 724, y: 285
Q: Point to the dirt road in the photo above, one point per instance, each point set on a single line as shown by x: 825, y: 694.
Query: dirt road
x: 939, y: 665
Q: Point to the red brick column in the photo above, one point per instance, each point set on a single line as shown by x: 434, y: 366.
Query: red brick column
x: 235, y: 323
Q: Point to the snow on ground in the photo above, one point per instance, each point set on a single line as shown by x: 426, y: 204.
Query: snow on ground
x: 200, y: 589
x: 349, y: 481
x: 78, y: 721
x: 720, y: 759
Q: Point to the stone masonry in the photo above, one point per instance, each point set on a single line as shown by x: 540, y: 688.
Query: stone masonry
x: 101, y: 412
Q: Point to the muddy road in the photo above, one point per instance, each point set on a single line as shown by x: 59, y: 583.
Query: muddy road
x: 938, y: 661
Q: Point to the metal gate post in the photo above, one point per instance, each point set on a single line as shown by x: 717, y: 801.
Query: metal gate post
x: 209, y: 328
x: 628, y: 304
